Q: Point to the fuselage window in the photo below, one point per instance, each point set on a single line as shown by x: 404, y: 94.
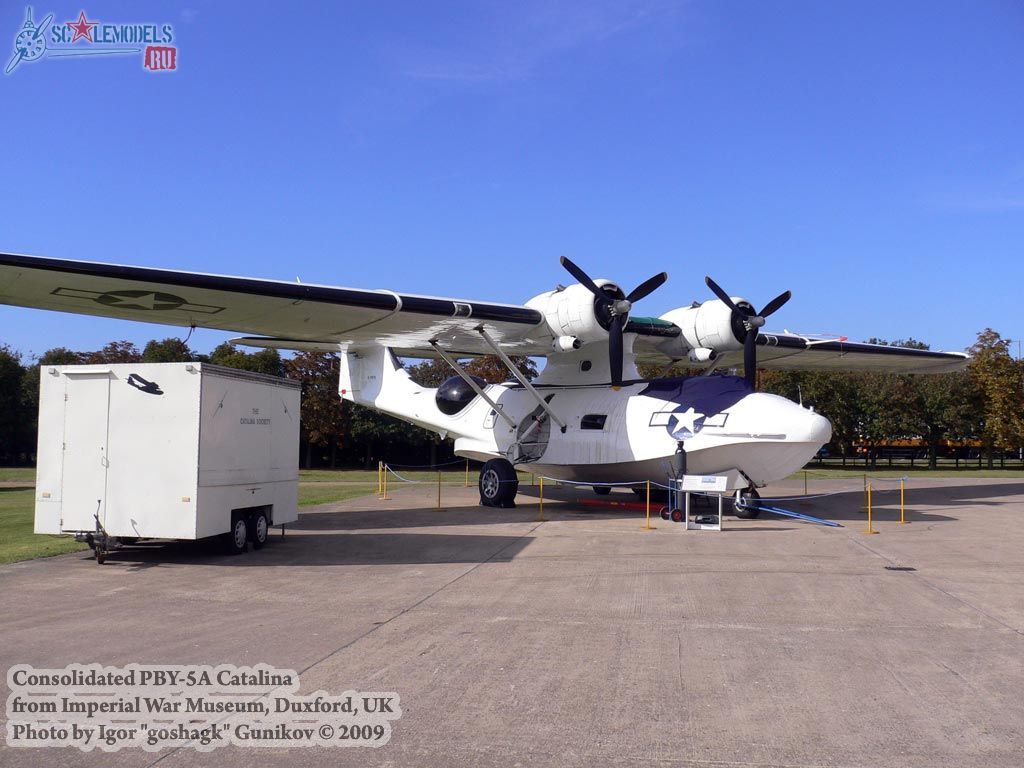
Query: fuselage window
x: 593, y: 421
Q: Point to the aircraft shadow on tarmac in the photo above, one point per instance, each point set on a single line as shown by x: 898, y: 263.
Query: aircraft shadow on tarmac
x: 849, y: 505
x: 363, y: 538
x: 924, y: 504
x: 572, y: 504
x: 981, y: 494
x: 840, y: 507
x: 329, y: 549
x: 356, y: 520
x: 376, y: 519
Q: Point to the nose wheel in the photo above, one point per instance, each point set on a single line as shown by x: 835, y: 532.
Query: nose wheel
x: 744, y: 504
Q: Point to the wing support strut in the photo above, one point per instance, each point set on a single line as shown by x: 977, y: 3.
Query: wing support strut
x: 520, y: 378
x: 473, y: 385
x: 711, y: 368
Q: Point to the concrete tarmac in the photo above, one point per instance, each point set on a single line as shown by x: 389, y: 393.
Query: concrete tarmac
x: 585, y: 639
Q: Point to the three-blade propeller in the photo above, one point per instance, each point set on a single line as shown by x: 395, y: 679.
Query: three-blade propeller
x: 616, y: 308
x: 612, y: 308
x: 752, y: 321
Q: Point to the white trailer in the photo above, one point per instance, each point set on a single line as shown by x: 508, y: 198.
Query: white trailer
x: 166, y: 451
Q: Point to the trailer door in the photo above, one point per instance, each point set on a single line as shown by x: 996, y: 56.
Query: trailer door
x: 86, y: 408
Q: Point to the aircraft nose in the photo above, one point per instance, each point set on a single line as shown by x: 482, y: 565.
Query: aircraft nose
x: 814, y: 427
x: 763, y: 414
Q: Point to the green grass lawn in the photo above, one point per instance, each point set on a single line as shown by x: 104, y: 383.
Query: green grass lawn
x: 449, y: 475
x: 25, y: 475
x: 918, y: 472
x: 325, y: 493
x: 17, y: 542
x: 322, y: 486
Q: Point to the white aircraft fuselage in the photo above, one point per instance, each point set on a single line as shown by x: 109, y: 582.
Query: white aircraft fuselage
x: 629, y: 435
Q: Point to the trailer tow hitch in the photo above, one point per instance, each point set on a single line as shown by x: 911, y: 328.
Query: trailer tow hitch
x: 101, y: 542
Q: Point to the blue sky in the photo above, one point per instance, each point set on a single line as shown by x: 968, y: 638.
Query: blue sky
x: 867, y: 156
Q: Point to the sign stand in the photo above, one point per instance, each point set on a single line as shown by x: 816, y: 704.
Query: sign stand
x: 710, y: 485
x: 692, y: 524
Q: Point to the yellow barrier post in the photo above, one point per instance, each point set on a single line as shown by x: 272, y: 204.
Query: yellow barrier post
x: 385, y: 496
x: 467, y: 473
x: 540, y: 518
x: 870, y: 529
x: 439, y: 489
x: 648, y: 505
x: 865, y: 493
x: 378, y: 479
x: 903, y: 518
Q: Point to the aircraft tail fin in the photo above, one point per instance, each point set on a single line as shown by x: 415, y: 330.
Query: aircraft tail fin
x: 374, y: 376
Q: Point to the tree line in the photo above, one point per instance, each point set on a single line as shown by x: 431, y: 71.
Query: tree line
x: 334, y: 432
x: 982, y: 405
x: 976, y: 411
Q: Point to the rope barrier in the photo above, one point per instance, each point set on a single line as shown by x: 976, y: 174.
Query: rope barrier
x: 873, y: 479
x: 596, y: 485
x: 654, y: 484
x: 388, y: 468
x: 426, y: 466
x: 385, y: 468
x: 810, y: 496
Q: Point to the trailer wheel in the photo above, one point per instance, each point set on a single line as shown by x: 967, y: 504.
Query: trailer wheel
x: 259, y: 530
x: 237, y: 539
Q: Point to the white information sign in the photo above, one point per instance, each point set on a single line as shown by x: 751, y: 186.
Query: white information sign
x: 704, y: 483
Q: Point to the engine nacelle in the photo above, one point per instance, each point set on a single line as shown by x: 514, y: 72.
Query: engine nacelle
x: 572, y: 313
x: 710, y: 326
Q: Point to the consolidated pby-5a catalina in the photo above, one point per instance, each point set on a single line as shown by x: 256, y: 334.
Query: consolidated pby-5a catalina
x: 589, y: 417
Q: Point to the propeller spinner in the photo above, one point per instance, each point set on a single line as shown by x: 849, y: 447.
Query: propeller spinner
x: 617, y: 308
x: 752, y: 322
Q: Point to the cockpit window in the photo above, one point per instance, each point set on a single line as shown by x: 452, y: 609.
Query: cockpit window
x: 593, y: 421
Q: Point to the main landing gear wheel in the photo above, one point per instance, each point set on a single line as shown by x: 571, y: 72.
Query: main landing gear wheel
x: 677, y: 515
x: 499, y: 484
x: 745, y: 506
x: 602, y: 490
